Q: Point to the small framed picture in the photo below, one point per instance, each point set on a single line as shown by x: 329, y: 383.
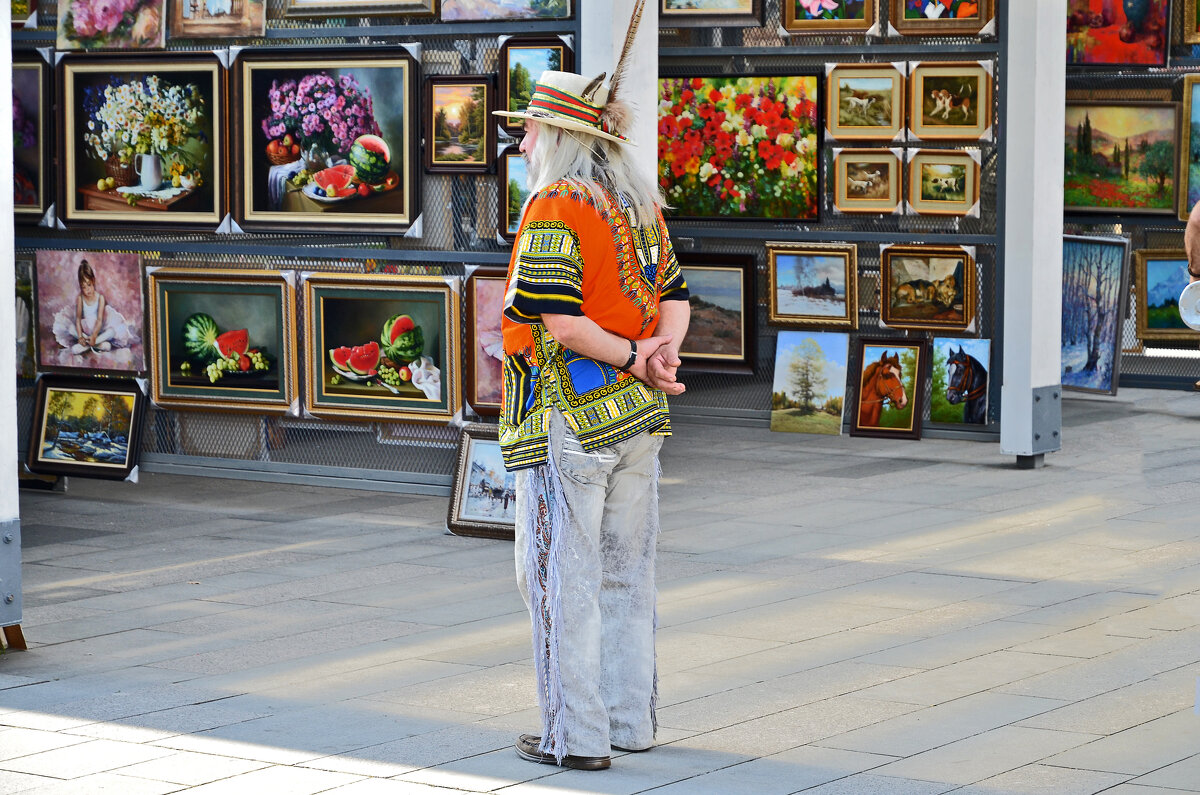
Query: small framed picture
x: 89, y: 427
x: 99, y: 25
x: 721, y: 336
x: 359, y: 8
x: 22, y: 10
x: 941, y: 17
x: 514, y: 190
x: 459, y: 130
x: 1189, y: 147
x: 1133, y: 32
x: 32, y: 137
x: 483, y: 503
x: 829, y: 16
x: 709, y: 13
x: 943, y: 182
x: 1121, y: 157
x: 960, y: 369
x: 809, y: 391
x: 866, y: 102
x: 889, y: 399
x: 1191, y: 22
x: 927, y: 287
x: 223, y: 339
x: 235, y: 19
x: 867, y: 180
x: 1095, y: 291
x: 522, y: 61
x: 1159, y: 277
x: 484, y: 344
x: 950, y: 101
x: 506, y: 10
x: 813, y: 285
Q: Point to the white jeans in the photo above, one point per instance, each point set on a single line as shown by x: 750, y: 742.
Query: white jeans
x: 587, y: 525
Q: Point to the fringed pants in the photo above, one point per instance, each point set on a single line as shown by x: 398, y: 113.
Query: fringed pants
x: 587, y: 525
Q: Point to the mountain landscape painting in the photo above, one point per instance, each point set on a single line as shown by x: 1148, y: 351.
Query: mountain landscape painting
x: 1121, y: 158
x: 1160, y: 277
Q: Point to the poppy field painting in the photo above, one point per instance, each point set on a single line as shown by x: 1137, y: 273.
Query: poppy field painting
x: 1121, y: 157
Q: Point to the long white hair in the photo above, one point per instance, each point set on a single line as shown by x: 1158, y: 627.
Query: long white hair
x: 596, y: 165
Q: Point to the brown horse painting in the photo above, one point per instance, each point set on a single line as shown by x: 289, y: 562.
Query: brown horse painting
x: 880, y: 383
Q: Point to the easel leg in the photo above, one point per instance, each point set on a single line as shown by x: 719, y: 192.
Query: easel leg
x: 13, y: 638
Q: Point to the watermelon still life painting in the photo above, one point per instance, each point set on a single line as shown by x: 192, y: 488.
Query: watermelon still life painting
x: 1118, y: 32
x: 1121, y: 158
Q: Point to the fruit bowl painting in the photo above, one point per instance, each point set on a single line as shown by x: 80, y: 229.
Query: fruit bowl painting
x: 327, y: 142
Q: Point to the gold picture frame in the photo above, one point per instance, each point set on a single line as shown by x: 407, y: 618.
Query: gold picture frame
x: 483, y: 502
x: 1191, y: 86
x: 948, y: 26
x: 793, y: 23
x: 807, y: 282
x: 1163, y: 273
x: 949, y: 101
x: 926, y: 287
x: 867, y: 180
x: 943, y: 181
x: 858, y: 96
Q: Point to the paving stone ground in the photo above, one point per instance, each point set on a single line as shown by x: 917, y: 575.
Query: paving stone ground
x: 838, y: 615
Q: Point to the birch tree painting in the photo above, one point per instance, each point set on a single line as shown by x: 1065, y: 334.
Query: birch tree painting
x: 1095, y: 281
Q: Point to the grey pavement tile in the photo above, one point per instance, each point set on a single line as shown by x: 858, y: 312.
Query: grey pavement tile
x: 105, y: 784
x: 959, y: 679
x: 1044, y: 780
x: 947, y: 618
x: 777, y: 661
x: 375, y: 786
x: 12, y: 783
x: 630, y: 773
x: 17, y: 742
x: 75, y: 761
x: 957, y: 645
x: 872, y: 784
x: 778, y: 774
x: 1086, y: 609
x: 191, y: 769
x: 427, y: 749
x: 1139, y: 749
x: 119, y: 650
x: 918, y: 590
x: 179, y: 591
x: 155, y: 616
x: 1138, y: 789
x: 487, y: 691
x: 52, y: 613
x: 1184, y: 774
x: 482, y: 773
x: 268, y: 621
x: 1048, y: 592
x: 365, y: 682
x: 277, y: 780
x: 792, y: 620
x: 1085, y: 642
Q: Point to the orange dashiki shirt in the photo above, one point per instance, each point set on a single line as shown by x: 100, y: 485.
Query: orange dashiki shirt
x: 573, y: 257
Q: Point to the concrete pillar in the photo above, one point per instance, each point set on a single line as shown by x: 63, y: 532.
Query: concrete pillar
x: 1035, y: 85
x: 603, y: 25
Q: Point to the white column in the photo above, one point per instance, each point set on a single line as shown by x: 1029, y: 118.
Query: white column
x: 604, y: 23
x: 1030, y: 417
x: 10, y: 550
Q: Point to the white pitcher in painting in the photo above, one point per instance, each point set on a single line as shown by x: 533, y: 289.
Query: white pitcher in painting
x: 149, y: 168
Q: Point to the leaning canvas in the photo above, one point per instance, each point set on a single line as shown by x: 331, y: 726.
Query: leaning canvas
x: 960, y: 380
x: 808, y: 393
x: 1095, y: 286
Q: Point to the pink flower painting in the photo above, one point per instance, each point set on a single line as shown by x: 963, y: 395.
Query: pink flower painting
x: 110, y: 24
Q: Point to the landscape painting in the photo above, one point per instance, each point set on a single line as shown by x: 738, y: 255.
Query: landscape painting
x: 829, y: 16
x: 866, y: 102
x: 722, y: 296
x: 522, y: 61
x: 514, y: 190
x: 1121, y: 158
x: 960, y: 380
x: 1095, y: 279
x: 888, y: 390
x: 1189, y: 147
x: 1160, y: 276
x: 499, y: 10
x: 459, y: 133
x: 928, y: 287
x: 483, y: 502
x: 85, y: 426
x: 1101, y: 32
x: 809, y: 390
x: 813, y: 285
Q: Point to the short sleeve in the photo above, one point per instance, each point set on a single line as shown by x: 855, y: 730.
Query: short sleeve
x: 548, y: 279
x: 674, y: 286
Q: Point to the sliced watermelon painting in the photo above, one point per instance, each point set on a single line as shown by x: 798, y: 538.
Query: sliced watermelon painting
x: 336, y: 181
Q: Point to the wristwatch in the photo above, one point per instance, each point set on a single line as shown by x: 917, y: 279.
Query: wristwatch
x: 624, y: 368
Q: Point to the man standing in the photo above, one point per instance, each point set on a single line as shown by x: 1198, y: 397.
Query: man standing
x: 595, y: 310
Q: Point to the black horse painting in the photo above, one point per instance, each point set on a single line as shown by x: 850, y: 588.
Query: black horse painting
x: 967, y: 380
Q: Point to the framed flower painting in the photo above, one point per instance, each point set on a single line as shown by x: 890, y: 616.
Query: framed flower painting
x: 829, y: 16
x: 22, y: 11
x: 144, y: 140
x: 501, y: 10
x: 31, y: 137
x: 941, y: 17
x: 111, y: 24
x: 706, y: 13
x: 459, y: 129
x: 327, y: 139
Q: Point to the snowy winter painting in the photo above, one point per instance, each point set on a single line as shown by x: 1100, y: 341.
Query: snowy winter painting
x: 810, y: 382
x: 1095, y: 283
x: 484, y: 500
x: 86, y: 427
x: 1159, y: 278
x: 813, y: 285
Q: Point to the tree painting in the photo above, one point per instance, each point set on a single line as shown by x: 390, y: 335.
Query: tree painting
x: 1121, y: 158
x: 1191, y: 90
x: 525, y: 66
x: 459, y: 122
x: 88, y: 427
x: 810, y: 382
x: 1094, y: 277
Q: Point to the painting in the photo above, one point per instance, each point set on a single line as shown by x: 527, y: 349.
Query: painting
x: 23, y: 267
x: 514, y: 190
x: 809, y: 390
x: 813, y: 285
x: 484, y: 344
x: 31, y: 137
x: 709, y: 13
x: 829, y: 16
x: 740, y: 146
x: 218, y: 19
x: 960, y: 370
x: 89, y: 313
x: 22, y: 11
x: 866, y: 102
x: 111, y: 25
x: 1191, y: 22
x: 950, y: 101
x: 522, y: 61
x: 86, y: 427
x: 1103, y: 32
x: 359, y: 8
x: 483, y: 503
x: 866, y: 180
x: 381, y: 348
x: 889, y: 395
x: 1120, y: 158
x: 723, y: 300
x: 941, y: 17
x: 327, y: 140
x: 459, y: 135
x: 1159, y: 277
x: 1095, y: 286
x: 943, y: 182
x: 223, y: 339
x: 500, y: 10
x: 927, y: 287
x: 143, y: 141
x: 1189, y: 147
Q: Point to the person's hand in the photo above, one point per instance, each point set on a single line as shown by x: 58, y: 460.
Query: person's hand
x: 662, y: 368
x: 649, y: 350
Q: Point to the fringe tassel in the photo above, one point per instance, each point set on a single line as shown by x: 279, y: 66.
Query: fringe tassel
x: 653, y: 519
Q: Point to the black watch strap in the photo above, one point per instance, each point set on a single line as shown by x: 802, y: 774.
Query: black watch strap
x: 632, y: 357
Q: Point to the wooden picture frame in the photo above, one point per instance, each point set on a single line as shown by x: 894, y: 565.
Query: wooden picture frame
x: 474, y: 11
x: 255, y: 371
x: 671, y: 15
x: 722, y: 335
x: 33, y: 137
x: 513, y: 192
x: 1191, y: 32
x: 867, y: 181
x: 809, y: 281
x: 943, y: 181
x: 1160, y: 275
x: 941, y: 93
x: 86, y: 427
x: 720, y: 180
x: 470, y: 143
x: 1095, y: 298
x: 21, y: 11
x: 483, y: 501
x: 286, y: 169
x: 883, y: 364
x: 360, y: 8
x: 927, y: 287
x: 141, y: 190
x: 194, y: 19
x: 952, y: 25
x: 522, y: 60
x: 85, y: 25
x: 1188, y: 176
x: 361, y: 310
x: 484, y: 381
x: 860, y: 98
x: 794, y: 22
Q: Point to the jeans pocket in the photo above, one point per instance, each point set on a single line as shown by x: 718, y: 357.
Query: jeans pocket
x: 582, y: 466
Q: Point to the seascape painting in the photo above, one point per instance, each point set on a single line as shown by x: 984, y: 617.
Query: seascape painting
x: 960, y: 380
x: 1118, y: 33
x: 1095, y: 275
x: 809, y: 390
x: 1120, y: 157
